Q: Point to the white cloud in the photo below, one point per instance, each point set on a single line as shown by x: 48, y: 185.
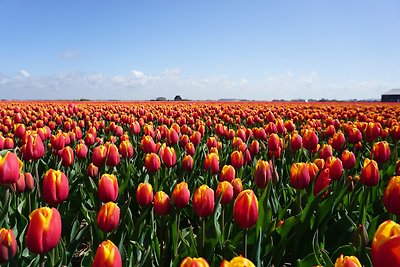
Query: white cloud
x: 140, y: 86
x: 69, y: 54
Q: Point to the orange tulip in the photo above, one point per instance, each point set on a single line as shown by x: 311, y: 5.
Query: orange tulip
x: 385, y: 248
x: 194, y: 262
x: 8, y: 245
x: 144, y: 194
x: 107, y: 255
x: 227, y: 173
x: 55, y: 187
x: 203, y: 201
x: 299, y: 175
x: 245, y: 209
x: 108, y: 217
x: 370, y: 173
x: 391, y: 196
x: 238, y: 261
x: 181, y: 195
x: 108, y: 188
x: 10, y: 167
x: 44, y: 230
x: 347, y: 261
x: 237, y: 186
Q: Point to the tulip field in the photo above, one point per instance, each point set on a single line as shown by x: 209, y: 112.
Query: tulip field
x: 199, y: 184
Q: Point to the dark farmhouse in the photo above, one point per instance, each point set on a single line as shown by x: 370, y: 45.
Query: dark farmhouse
x: 391, y: 96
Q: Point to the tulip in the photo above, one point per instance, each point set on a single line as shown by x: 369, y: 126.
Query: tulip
x: 372, y: 131
x: 325, y: 151
x: 262, y: 174
x: 211, y: 163
x: 107, y: 255
x: 112, y: 155
x: 355, y: 135
x: 347, y: 261
x: 144, y: 194
x: 348, y: 159
x: 245, y: 209
x: 44, y: 230
x: 254, y: 148
x: 187, y: 163
x: 172, y: 136
x: 108, y: 217
x: 338, y: 140
x: 181, y: 195
x: 273, y: 142
x: 99, y: 155
x: 296, y: 141
x: 299, y: 175
x: 227, y: 173
x: 55, y: 187
x: 195, y: 138
x: 92, y: 170
x: 398, y: 167
x: 10, y: 167
x: 203, y: 201
x: 381, y: 151
x: 194, y: 262
x: 8, y: 245
x: 225, y: 191
x: 162, y: 203
x: 152, y: 162
x: 313, y: 170
x: 310, y: 140
x: 322, y: 182
x: 67, y: 156
x: 126, y: 149
x: 237, y: 186
x: 370, y: 173
x: 385, y: 248
x: 81, y: 151
x: 237, y: 261
x: 58, y: 141
x: 335, y: 168
x: 237, y: 159
x: 391, y: 196
x: 108, y: 188
x: 148, y: 144
x: 168, y: 156
x: 190, y: 149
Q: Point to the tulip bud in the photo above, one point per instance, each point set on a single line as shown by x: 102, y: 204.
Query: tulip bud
x: 245, y: 209
x: 347, y: 261
x: 227, y: 173
x: 108, y: 188
x: 348, y: 159
x: 360, y: 236
x: 8, y: 245
x: 310, y: 140
x: 144, y: 194
x: 381, y: 151
x: 99, y: 155
x: 168, y: 156
x: 187, y: 163
x: 29, y: 182
x: 370, y: 173
x: 44, y: 230
x: 237, y: 186
x: 112, y: 155
x: 391, y: 196
x: 385, y: 244
x: 92, y: 170
x: 126, y: 149
x: 254, y: 148
x: 262, y: 174
x: 108, y: 217
x: 55, y: 187
x: 152, y: 162
x: 299, y: 175
x: 237, y: 159
x: 67, y: 156
x: 203, y: 201
x: 162, y: 203
x: 211, y: 163
x: 107, y: 255
x: 194, y: 262
x: 225, y: 191
x: 10, y: 167
x: 181, y: 195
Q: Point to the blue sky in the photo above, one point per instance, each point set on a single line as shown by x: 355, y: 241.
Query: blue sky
x: 259, y: 50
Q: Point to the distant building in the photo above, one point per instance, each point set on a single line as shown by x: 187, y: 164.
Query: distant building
x: 391, y: 96
x: 178, y: 98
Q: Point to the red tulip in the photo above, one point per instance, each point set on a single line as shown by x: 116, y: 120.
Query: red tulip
x: 126, y: 149
x: 107, y: 255
x: 10, y: 167
x: 108, y: 217
x: 67, y: 156
x: 225, y: 190
x: 112, y: 155
x: 322, y: 182
x: 203, y: 201
x: 227, y: 173
x: 245, y: 209
x: 152, y: 162
x: 99, y: 155
x: 162, y: 203
x: 44, y: 230
x: 168, y: 156
x: 211, y: 163
x: 148, y: 144
x: 187, y: 163
x: 92, y: 170
x: 181, y: 195
x: 8, y: 245
x: 381, y: 151
x: 296, y: 141
x: 81, y: 151
x: 108, y: 188
x: 237, y: 159
x: 348, y: 159
x: 194, y: 262
x: 144, y: 194
x: 347, y: 261
x: 299, y: 175
x: 391, y: 196
x: 335, y: 168
x: 262, y: 174
x: 370, y: 173
x: 310, y: 140
x: 237, y: 186
x: 385, y: 248
x: 55, y: 187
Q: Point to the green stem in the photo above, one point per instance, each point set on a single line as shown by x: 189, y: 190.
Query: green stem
x: 298, y: 201
x: 42, y: 260
x: 245, y: 242
x: 177, y: 233
x: 223, y: 223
